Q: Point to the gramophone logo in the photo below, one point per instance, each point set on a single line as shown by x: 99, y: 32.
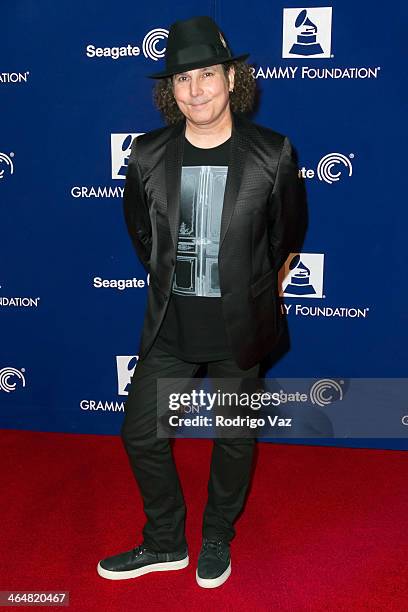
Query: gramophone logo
x: 120, y: 153
x: 303, y: 275
x: 6, y: 165
x: 307, y: 32
x: 126, y: 366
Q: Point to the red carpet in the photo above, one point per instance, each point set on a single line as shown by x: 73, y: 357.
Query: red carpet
x: 323, y: 528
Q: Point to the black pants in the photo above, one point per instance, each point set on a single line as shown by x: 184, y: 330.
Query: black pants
x: 152, y: 461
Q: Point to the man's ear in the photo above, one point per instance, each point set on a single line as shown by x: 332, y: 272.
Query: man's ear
x: 231, y: 77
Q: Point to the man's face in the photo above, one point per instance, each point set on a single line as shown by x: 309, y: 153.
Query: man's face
x: 202, y: 95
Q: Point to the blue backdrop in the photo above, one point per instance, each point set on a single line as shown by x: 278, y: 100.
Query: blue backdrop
x: 73, y: 91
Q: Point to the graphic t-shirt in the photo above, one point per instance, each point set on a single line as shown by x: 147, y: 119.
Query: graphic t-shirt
x: 193, y: 328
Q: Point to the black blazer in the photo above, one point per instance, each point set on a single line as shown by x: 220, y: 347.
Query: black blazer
x: 261, y: 219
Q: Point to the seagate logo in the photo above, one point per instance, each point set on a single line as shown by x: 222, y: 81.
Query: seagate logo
x: 153, y: 47
x: 6, y: 165
x: 8, y: 378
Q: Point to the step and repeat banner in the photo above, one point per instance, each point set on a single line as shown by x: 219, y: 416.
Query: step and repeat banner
x: 73, y: 94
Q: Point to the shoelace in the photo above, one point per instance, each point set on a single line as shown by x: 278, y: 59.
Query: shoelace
x: 138, y: 550
x: 215, y: 545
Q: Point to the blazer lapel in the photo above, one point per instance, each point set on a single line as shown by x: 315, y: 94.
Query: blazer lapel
x: 173, y: 163
x: 238, y: 150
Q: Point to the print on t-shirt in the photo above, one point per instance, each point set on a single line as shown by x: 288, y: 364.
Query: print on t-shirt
x: 201, y: 202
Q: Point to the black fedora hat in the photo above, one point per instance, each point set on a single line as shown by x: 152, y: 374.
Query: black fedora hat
x: 195, y: 43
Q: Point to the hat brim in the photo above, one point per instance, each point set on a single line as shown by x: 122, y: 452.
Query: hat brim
x: 197, y: 64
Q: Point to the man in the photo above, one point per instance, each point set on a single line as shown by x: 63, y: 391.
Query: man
x: 212, y: 204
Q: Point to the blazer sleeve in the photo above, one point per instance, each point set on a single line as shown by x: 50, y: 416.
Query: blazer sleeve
x: 136, y: 210
x: 286, y: 207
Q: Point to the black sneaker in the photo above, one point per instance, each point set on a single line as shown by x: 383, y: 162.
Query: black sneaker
x: 214, y: 563
x: 141, y: 561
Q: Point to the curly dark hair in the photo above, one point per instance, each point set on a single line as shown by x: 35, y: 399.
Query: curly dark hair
x: 241, y: 99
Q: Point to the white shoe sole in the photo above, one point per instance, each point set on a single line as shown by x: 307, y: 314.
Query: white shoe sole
x: 212, y: 583
x: 154, y: 567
